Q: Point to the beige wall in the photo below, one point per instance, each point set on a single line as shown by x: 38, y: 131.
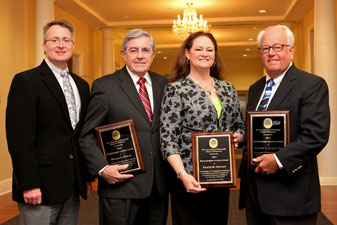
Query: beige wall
x: 243, y: 76
x: 17, y: 23
x: 119, y: 61
x: 302, y: 31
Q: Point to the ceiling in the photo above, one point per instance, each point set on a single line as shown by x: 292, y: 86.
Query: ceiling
x: 234, y: 23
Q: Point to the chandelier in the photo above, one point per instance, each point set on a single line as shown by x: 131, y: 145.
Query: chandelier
x: 190, y: 23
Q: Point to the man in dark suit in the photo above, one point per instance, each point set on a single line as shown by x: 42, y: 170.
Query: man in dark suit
x: 126, y: 198
x: 284, y: 187
x: 44, y: 114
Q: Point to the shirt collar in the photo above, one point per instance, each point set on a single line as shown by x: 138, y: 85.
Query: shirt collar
x: 135, y: 77
x: 279, y: 78
x: 56, y: 70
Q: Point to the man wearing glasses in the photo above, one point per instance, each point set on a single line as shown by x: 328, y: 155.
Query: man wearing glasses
x: 130, y: 93
x: 284, y: 187
x: 45, y: 109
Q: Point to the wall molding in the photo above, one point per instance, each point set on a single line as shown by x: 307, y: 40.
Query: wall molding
x: 5, y: 186
x: 328, y: 181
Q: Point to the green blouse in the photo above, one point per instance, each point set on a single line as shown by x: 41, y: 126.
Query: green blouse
x: 217, y: 104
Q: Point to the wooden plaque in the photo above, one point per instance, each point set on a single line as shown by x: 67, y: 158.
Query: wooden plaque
x: 119, y: 144
x: 213, y: 159
x: 267, y: 132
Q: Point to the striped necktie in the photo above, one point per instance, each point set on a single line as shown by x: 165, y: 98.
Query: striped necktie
x: 144, y: 96
x: 70, y: 98
x: 266, y: 97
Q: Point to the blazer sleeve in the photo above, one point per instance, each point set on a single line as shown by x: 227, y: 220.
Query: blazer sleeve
x: 96, y: 115
x: 21, y: 119
x: 170, y: 121
x: 238, y: 123
x: 313, y: 121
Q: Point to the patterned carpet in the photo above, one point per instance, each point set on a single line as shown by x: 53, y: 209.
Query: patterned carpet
x: 89, y: 212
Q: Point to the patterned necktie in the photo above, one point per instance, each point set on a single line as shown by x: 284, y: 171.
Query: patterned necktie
x: 264, y: 102
x: 144, y: 96
x: 70, y: 99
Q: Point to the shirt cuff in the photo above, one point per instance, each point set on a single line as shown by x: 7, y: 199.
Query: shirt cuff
x: 100, y: 172
x: 278, y: 162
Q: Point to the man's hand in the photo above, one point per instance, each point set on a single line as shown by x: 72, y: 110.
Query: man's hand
x: 33, y: 196
x: 112, y: 176
x: 267, y: 164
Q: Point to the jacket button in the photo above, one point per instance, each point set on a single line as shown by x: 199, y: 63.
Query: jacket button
x: 71, y: 157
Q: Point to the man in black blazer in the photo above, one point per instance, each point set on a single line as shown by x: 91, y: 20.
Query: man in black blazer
x: 284, y: 187
x: 49, y: 171
x: 126, y: 198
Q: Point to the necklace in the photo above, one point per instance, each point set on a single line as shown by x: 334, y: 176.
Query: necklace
x: 207, y: 90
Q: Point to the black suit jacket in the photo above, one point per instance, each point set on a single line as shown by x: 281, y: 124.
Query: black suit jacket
x: 295, y: 189
x: 114, y: 98
x: 41, y: 140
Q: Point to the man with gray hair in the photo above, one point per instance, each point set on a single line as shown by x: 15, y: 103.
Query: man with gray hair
x: 284, y: 187
x: 45, y: 109
x: 130, y: 93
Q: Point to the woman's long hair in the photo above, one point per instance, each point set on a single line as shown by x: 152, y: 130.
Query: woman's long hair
x: 181, y: 67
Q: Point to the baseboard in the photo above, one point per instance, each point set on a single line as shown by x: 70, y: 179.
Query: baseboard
x: 328, y: 181
x: 5, y: 186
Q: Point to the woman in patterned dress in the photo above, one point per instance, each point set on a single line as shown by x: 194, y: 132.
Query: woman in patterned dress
x: 196, y: 100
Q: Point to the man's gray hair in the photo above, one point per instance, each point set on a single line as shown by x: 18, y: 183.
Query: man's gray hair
x: 289, y: 33
x: 135, y: 33
x: 62, y: 23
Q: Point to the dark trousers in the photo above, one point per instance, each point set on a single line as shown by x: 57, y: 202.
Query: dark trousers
x: 148, y: 211
x: 255, y: 216
x: 205, y: 208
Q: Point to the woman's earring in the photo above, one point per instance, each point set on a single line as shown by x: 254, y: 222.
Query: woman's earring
x: 187, y: 60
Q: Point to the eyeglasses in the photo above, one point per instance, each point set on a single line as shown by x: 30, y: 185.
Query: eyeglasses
x: 56, y: 41
x: 276, y: 48
x: 135, y: 51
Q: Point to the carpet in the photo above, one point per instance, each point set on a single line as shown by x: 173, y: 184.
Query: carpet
x: 89, y: 212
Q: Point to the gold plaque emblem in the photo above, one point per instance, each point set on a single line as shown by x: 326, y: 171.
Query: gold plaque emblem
x: 116, y: 135
x: 213, y: 143
x: 267, y: 123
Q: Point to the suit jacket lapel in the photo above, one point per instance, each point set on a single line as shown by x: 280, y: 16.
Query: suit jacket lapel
x: 127, y: 85
x: 286, y: 86
x: 255, y: 94
x: 53, y: 85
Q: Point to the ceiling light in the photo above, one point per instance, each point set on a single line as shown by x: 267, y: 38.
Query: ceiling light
x: 244, y: 55
x: 189, y: 23
x: 262, y: 11
x: 250, y: 39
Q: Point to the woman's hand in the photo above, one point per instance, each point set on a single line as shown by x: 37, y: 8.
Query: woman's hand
x: 237, y: 139
x: 191, y: 185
